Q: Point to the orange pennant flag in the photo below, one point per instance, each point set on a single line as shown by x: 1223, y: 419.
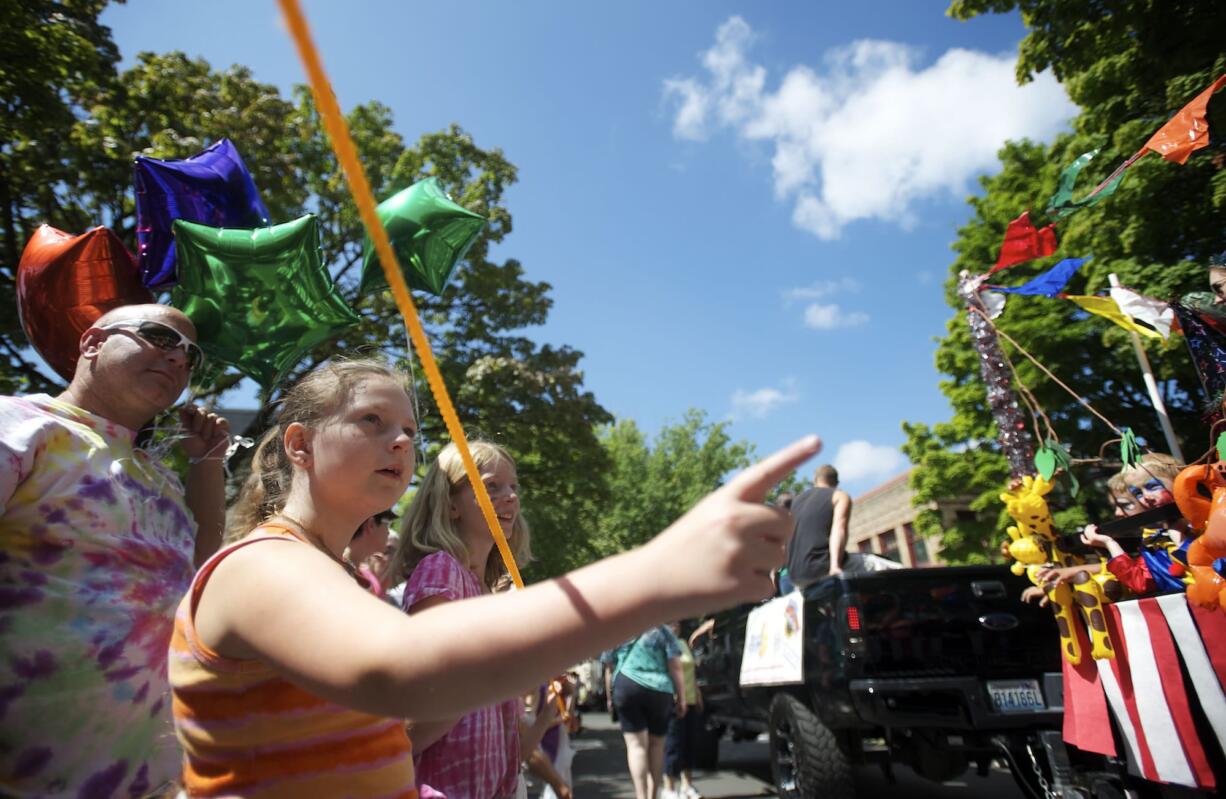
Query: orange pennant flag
x: 1187, y: 131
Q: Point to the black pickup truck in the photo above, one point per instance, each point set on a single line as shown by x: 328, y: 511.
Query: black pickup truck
x: 934, y: 668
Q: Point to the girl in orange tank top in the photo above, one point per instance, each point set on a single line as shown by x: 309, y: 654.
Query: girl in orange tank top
x: 290, y: 679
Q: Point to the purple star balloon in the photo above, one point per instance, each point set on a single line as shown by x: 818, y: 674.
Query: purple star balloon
x: 212, y: 188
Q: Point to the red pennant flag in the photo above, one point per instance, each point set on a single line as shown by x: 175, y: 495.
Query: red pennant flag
x: 1023, y: 243
x: 1086, y: 724
x: 1187, y: 131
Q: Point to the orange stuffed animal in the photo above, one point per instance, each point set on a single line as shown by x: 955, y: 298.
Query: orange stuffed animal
x: 1200, y: 492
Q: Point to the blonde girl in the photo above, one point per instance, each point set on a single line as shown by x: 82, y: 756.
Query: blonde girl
x: 289, y: 679
x: 446, y: 553
x: 441, y: 519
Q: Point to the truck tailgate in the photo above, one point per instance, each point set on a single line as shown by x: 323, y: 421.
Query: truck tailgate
x: 961, y: 620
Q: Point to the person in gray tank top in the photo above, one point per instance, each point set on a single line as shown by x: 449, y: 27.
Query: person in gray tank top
x: 820, y: 536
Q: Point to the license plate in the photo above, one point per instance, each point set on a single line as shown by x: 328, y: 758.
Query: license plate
x: 1016, y: 696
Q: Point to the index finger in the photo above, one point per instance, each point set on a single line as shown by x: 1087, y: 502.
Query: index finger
x: 753, y: 484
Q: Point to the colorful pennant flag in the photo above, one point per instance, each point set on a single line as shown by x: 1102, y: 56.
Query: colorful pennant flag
x: 1087, y: 724
x: 1187, y: 131
x: 1208, y: 348
x: 1107, y: 309
x: 1204, y: 305
x: 1050, y: 283
x: 1130, y: 450
x: 1024, y: 243
x: 1062, y: 205
x: 993, y: 303
x: 1155, y: 313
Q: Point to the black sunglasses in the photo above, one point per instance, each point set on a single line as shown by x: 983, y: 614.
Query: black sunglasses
x: 164, y: 337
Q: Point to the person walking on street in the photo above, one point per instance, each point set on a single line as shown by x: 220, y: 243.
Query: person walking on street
x: 647, y: 690
x: 683, y: 732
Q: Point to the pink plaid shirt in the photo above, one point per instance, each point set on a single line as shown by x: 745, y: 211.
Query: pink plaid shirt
x: 479, y: 757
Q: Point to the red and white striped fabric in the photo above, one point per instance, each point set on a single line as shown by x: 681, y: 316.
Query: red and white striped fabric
x: 1086, y: 723
x: 1148, y: 696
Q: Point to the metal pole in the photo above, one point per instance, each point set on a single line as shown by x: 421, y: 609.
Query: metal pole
x: 1151, y: 386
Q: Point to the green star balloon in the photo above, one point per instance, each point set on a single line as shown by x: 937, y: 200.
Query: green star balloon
x: 260, y: 299
x: 429, y: 233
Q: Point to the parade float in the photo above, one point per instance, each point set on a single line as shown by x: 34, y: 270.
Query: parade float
x: 1144, y: 667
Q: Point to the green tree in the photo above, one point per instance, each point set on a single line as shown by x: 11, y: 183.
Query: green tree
x: 653, y: 483
x: 527, y: 396
x: 56, y: 61
x: 1129, y: 65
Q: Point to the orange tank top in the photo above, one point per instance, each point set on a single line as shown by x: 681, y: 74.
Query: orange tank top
x: 247, y: 732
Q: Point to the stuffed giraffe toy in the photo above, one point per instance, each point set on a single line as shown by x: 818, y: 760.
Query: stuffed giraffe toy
x: 1034, y: 546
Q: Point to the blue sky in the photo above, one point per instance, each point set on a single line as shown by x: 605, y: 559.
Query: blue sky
x: 742, y: 207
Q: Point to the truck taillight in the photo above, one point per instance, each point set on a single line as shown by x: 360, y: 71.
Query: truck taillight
x: 853, y: 619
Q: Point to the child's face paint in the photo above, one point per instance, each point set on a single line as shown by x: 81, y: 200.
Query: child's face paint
x: 1147, y: 490
x: 1124, y: 505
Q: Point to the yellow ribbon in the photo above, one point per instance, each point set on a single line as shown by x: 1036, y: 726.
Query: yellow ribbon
x: 347, y: 155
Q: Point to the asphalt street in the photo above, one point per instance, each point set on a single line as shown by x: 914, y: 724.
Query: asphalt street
x: 600, y: 772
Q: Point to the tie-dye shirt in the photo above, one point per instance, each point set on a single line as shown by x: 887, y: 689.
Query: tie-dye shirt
x: 95, y: 552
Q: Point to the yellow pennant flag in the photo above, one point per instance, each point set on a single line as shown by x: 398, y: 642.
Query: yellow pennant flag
x: 1107, y: 308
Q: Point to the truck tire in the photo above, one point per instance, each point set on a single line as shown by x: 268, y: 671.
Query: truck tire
x: 806, y: 759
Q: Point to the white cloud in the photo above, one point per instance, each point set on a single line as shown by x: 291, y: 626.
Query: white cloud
x: 690, y: 122
x: 831, y: 317
x: 873, y: 131
x: 826, y: 316
x: 761, y: 403
x: 820, y: 289
x: 861, y: 460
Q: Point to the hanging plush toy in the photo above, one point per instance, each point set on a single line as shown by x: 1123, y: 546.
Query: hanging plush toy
x: 1200, y: 492
x: 1033, y: 547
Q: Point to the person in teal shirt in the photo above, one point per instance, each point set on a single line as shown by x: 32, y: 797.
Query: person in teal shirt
x: 646, y: 688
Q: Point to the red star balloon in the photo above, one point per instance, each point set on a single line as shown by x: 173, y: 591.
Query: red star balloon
x: 65, y: 282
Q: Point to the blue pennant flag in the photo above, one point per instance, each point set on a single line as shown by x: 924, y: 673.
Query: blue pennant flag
x: 1051, y: 282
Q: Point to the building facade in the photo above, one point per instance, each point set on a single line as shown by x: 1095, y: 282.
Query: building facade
x: 883, y: 522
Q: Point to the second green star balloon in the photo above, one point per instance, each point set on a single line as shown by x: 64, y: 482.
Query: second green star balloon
x: 260, y: 299
x: 430, y: 234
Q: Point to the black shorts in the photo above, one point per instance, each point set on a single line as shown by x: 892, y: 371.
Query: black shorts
x: 640, y: 708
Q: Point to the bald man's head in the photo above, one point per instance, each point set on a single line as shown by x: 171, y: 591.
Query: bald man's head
x: 154, y: 313
x: 127, y: 373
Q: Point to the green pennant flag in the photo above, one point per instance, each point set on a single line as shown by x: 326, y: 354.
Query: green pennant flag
x: 1064, y: 461
x: 1052, y: 456
x: 1045, y: 462
x: 1130, y: 453
x: 1062, y: 205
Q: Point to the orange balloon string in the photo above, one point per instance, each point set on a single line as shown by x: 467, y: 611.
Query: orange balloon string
x: 359, y: 186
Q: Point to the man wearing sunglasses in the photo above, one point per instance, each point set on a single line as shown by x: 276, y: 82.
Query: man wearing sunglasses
x: 98, y: 543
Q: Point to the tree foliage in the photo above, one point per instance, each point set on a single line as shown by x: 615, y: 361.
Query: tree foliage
x: 70, y: 132
x: 56, y: 62
x: 652, y: 483
x: 1129, y: 65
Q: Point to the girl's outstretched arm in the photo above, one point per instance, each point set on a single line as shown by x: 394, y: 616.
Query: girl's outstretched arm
x: 289, y: 606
